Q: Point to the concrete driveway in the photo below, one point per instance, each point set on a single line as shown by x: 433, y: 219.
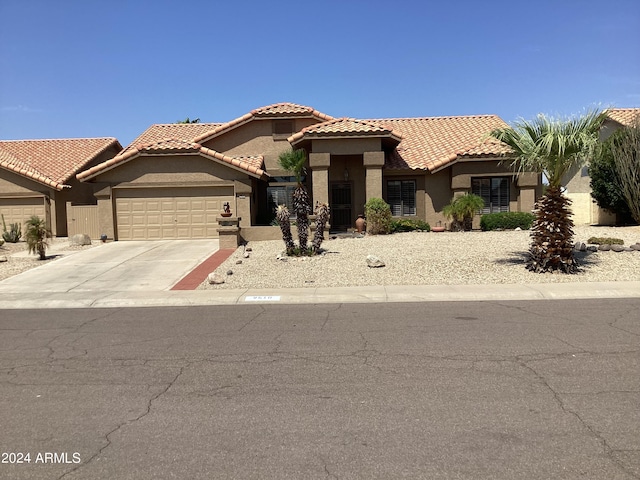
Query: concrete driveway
x: 135, y: 266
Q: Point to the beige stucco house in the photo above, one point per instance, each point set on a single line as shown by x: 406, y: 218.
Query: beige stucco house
x: 578, y: 182
x: 38, y: 177
x: 173, y: 180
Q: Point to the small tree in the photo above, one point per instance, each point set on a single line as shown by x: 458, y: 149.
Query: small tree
x: 378, y: 213
x: 36, y: 236
x: 462, y: 210
x: 606, y: 187
x: 188, y: 120
x: 625, y: 150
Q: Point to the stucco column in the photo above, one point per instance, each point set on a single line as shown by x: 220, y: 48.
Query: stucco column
x: 527, y: 182
x: 527, y: 199
x: 319, y: 164
x: 243, y: 203
x: 373, y: 163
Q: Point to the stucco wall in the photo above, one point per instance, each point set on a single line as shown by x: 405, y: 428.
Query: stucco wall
x: 257, y: 138
x: 346, y: 146
x: 170, y: 169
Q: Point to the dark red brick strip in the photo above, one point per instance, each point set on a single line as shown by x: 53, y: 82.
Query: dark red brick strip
x: 198, y: 275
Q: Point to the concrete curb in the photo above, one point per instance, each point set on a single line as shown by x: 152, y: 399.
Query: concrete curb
x: 318, y: 295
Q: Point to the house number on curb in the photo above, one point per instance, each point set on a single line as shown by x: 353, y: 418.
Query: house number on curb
x: 262, y: 298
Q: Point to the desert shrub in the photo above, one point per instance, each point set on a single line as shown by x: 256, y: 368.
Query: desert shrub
x: 378, y: 213
x: 13, y: 234
x: 506, y: 221
x: 605, y: 241
x: 409, y: 225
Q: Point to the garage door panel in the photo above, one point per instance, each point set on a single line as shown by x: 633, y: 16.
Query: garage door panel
x: 19, y: 210
x: 167, y: 213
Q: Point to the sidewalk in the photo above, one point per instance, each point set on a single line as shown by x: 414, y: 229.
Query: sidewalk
x: 378, y: 294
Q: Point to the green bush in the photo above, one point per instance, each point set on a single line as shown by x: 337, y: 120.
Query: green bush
x: 605, y: 241
x: 408, y: 225
x: 378, y: 213
x: 506, y: 221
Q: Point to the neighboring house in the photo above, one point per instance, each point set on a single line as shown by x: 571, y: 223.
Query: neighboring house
x: 578, y: 182
x: 38, y: 177
x: 173, y: 180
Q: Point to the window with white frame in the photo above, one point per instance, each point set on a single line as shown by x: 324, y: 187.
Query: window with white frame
x: 401, y: 196
x: 494, y: 191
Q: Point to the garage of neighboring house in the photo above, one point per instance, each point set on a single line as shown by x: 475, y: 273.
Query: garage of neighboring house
x: 37, y: 177
x: 17, y: 209
x: 169, y: 213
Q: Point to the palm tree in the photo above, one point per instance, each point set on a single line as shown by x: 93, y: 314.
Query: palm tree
x: 552, y: 147
x: 36, y: 236
x: 462, y: 211
x: 294, y: 162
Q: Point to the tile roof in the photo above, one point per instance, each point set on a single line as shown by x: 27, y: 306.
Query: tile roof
x: 435, y: 142
x: 161, y: 131
x: 345, y: 127
x: 52, y: 162
x: 624, y: 116
x: 277, y: 110
x: 250, y: 164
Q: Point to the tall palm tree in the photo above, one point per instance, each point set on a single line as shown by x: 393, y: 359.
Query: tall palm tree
x: 294, y: 161
x: 552, y: 147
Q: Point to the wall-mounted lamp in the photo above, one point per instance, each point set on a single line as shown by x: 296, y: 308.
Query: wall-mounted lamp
x: 346, y: 174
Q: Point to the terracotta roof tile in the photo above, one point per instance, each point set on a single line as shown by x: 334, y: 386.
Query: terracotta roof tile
x: 270, y: 111
x: 345, y: 127
x: 624, y: 116
x: 162, y: 131
x: 251, y: 164
x: 432, y: 143
x: 52, y: 161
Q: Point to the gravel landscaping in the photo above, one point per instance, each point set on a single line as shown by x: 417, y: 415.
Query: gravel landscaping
x: 421, y: 258
x: 414, y: 258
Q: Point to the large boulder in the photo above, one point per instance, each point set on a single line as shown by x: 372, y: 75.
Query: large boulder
x: 215, y: 278
x: 80, y: 239
x: 374, y: 262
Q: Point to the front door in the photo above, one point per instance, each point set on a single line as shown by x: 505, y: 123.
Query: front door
x: 341, y: 218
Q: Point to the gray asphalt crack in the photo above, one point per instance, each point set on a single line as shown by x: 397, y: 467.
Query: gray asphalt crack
x: 608, y: 451
x: 126, y: 423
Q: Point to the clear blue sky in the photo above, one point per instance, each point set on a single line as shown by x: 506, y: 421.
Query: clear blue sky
x: 88, y: 68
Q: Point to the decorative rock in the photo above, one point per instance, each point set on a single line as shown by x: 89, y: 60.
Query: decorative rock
x: 592, y: 248
x: 215, y: 279
x: 635, y: 246
x: 80, y: 239
x: 604, y: 247
x: 3, y: 258
x: 517, y: 229
x: 374, y: 262
x: 238, y: 262
x: 617, y: 248
x: 248, y: 249
x: 583, y: 247
x: 245, y: 254
x: 580, y: 247
x: 229, y: 272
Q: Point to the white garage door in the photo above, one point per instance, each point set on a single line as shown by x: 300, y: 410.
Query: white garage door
x: 19, y: 210
x: 170, y: 213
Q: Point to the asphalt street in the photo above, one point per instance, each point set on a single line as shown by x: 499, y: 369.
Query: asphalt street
x: 459, y: 390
